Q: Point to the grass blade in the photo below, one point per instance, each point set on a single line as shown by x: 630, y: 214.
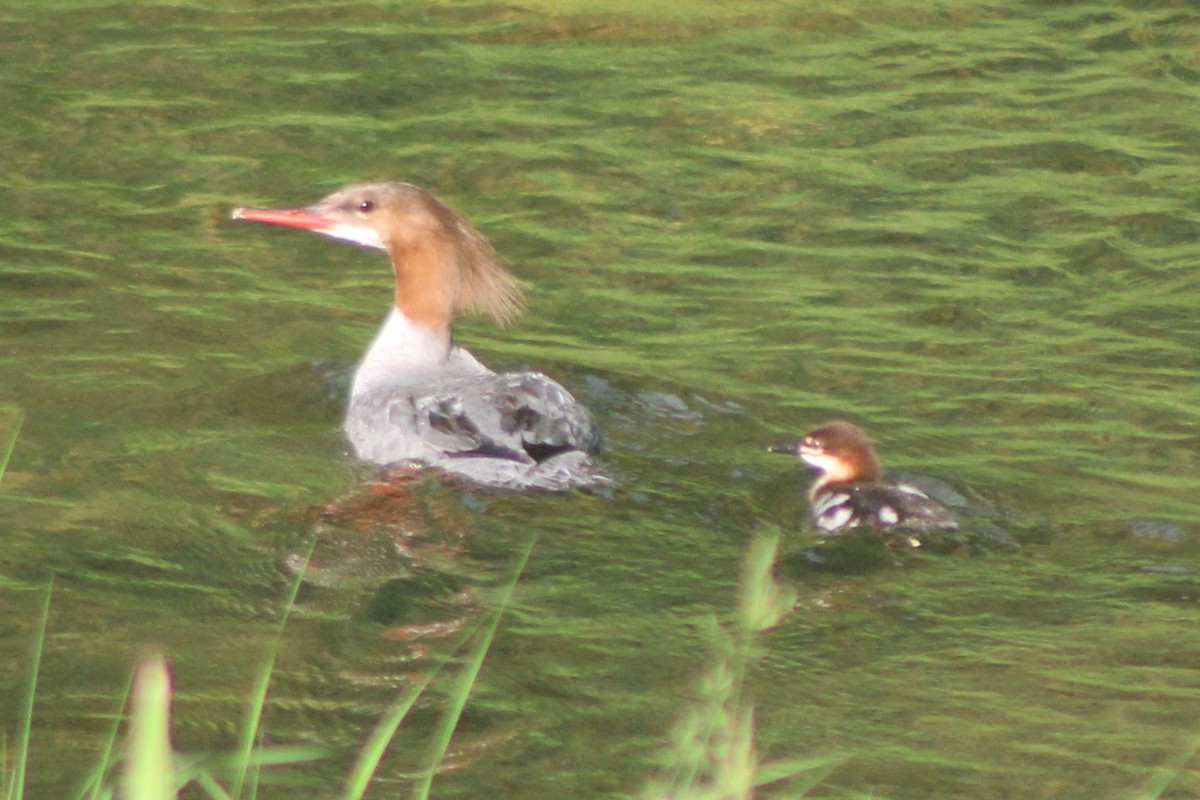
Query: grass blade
x: 94, y: 787
x: 466, y: 683
x: 7, y: 452
x: 377, y: 743
x: 250, y: 730
x: 764, y: 602
x: 1166, y: 774
x: 213, y: 788
x: 149, y: 773
x: 7, y: 790
x: 712, y: 755
x: 815, y: 769
x: 17, y: 789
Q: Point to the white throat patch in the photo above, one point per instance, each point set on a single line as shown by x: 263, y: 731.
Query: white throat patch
x: 830, y: 465
x: 359, y: 234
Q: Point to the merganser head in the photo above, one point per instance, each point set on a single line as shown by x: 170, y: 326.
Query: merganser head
x: 839, y: 450
x: 441, y: 262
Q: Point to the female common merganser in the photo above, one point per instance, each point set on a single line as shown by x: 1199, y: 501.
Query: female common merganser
x: 416, y: 394
x: 851, y: 492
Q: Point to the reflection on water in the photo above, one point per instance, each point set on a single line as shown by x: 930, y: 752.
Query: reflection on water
x: 971, y: 228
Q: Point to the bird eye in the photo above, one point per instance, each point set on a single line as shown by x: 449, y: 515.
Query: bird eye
x: 366, y: 206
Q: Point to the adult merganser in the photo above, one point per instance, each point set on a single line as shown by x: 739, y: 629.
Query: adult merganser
x: 416, y: 394
x: 851, y: 492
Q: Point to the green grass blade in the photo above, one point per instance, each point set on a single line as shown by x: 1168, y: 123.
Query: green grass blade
x: 6, y: 453
x: 385, y: 730
x: 213, y: 788
x: 7, y: 790
x: 1167, y: 773
x: 95, y: 782
x: 149, y: 772
x: 814, y: 769
x: 250, y: 730
x: 466, y: 683
x: 264, y: 758
x: 377, y: 743
x: 256, y: 768
x: 712, y: 753
x: 201, y: 773
x: 18, y: 780
x: 764, y: 602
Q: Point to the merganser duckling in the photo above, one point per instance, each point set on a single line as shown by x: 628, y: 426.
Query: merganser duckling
x: 851, y: 493
x: 416, y: 394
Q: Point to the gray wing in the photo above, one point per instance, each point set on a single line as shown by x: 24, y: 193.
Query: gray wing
x: 520, y: 416
x: 524, y: 418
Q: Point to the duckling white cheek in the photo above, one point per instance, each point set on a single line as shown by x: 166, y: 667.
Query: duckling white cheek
x: 821, y: 461
x: 367, y: 237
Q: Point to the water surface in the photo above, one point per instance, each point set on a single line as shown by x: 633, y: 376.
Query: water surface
x: 970, y: 226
